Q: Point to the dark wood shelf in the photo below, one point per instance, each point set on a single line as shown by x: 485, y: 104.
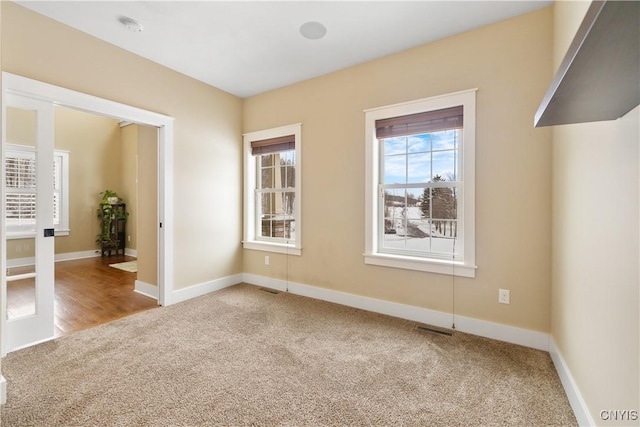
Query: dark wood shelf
x: 599, y: 78
x: 114, y: 217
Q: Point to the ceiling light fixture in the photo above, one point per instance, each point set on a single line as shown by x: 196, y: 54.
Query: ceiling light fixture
x: 313, y: 30
x: 131, y: 24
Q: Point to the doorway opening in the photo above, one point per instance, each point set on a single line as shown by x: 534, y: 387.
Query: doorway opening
x: 158, y: 229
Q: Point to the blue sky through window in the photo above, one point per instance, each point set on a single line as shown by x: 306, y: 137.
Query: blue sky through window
x: 418, y: 158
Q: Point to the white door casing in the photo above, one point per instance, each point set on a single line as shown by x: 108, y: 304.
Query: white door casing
x: 55, y: 95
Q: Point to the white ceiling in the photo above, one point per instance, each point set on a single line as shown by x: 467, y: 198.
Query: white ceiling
x: 249, y: 47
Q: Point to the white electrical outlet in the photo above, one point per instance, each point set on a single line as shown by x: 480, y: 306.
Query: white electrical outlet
x: 129, y: 238
x: 266, y: 260
x: 503, y: 296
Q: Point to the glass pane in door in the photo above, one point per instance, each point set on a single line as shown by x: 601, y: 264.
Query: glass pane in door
x: 21, y: 278
x: 20, y: 206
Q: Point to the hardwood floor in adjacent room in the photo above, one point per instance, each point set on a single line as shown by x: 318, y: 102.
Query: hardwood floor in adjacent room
x: 88, y: 293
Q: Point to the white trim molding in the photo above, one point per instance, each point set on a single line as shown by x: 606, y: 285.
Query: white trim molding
x: 278, y: 248
x: 146, y: 289
x: 483, y: 328
x: 67, y: 256
x: 421, y: 264
x: 131, y: 252
x: 200, y: 289
x: 571, y: 389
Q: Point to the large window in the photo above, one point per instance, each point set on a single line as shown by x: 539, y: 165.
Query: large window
x: 20, y: 181
x: 420, y: 185
x: 272, y: 190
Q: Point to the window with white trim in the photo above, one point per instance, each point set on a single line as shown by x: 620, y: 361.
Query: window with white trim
x: 420, y: 200
x: 272, y: 168
x: 20, y: 182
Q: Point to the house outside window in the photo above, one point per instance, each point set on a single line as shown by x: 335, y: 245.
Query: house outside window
x: 20, y: 182
x: 272, y: 220
x: 420, y: 185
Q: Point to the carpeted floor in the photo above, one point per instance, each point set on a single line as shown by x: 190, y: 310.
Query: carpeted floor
x: 243, y: 356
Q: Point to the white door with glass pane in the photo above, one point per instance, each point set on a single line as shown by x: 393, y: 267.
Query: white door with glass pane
x: 27, y: 260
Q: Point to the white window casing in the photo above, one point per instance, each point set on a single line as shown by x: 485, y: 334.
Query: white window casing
x: 251, y: 238
x: 20, y: 168
x: 463, y: 262
x: 61, y: 192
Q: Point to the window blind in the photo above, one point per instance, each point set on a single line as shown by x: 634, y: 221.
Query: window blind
x: 20, y: 181
x: 273, y: 145
x: 20, y: 170
x: 415, y: 124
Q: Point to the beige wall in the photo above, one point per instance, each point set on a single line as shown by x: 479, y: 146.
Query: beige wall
x: 21, y: 126
x: 147, y: 204
x: 140, y: 190
x: 510, y: 64
x: 207, y: 150
x: 93, y: 143
x: 595, y: 295
x: 128, y: 187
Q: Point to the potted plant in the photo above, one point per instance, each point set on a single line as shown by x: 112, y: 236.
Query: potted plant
x: 107, y: 213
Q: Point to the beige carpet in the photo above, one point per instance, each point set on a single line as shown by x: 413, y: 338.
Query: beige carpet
x: 130, y: 266
x: 242, y: 356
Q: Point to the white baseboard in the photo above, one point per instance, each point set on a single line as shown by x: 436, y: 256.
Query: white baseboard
x: 205, y: 288
x: 506, y: 333
x: 20, y: 262
x: 146, y: 289
x: 483, y: 328
x: 3, y: 390
x: 571, y: 389
x: 77, y: 255
x: 68, y: 256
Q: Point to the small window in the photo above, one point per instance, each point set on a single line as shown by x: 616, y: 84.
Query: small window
x: 272, y: 190
x: 420, y: 185
x: 20, y: 181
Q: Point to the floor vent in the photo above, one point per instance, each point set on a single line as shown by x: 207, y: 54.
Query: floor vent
x: 271, y: 291
x: 433, y: 330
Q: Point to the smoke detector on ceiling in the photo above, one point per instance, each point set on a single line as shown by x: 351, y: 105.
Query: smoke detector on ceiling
x: 131, y: 24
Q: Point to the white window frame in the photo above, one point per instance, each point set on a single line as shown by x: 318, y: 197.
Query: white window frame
x: 62, y: 228
x: 251, y: 240
x: 466, y: 266
x: 61, y: 156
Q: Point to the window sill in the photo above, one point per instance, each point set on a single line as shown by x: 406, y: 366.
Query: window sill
x: 14, y: 235
x: 421, y: 264
x: 280, y: 248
